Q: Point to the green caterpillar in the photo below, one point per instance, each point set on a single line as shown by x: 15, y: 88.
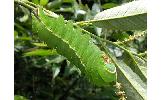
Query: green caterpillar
x: 78, y: 48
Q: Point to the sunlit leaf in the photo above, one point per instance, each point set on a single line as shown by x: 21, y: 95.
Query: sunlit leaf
x: 40, y: 52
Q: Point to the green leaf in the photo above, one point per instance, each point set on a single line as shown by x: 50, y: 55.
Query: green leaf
x: 40, y: 52
x: 40, y: 44
x: 130, y: 16
x: 24, y: 38
x: 56, y: 71
x: 35, y: 1
x: 142, y: 65
x: 18, y: 97
x: 131, y: 82
x: 108, y: 5
x: 15, y: 34
x: 68, y: 1
x: 43, y: 2
x: 130, y: 61
x: 54, y: 4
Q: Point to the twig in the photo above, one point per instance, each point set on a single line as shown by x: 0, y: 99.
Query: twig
x: 30, y: 3
x: 107, y: 41
x: 143, y: 54
x: 83, y: 23
x: 24, y: 4
x: 131, y: 38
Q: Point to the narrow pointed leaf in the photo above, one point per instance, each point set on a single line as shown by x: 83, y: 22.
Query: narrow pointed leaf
x: 132, y: 84
x: 41, y: 52
x: 130, y: 16
x: 132, y: 61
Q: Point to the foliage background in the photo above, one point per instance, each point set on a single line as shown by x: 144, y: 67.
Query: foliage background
x: 46, y: 75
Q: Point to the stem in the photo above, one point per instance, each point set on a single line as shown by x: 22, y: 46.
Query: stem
x: 24, y: 4
x: 33, y: 7
x: 83, y: 23
x: 131, y: 38
x: 86, y: 22
x: 30, y: 3
x: 143, y: 54
x: 104, y: 40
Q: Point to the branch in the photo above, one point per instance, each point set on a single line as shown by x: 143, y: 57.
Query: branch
x: 20, y: 2
x: 131, y: 38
